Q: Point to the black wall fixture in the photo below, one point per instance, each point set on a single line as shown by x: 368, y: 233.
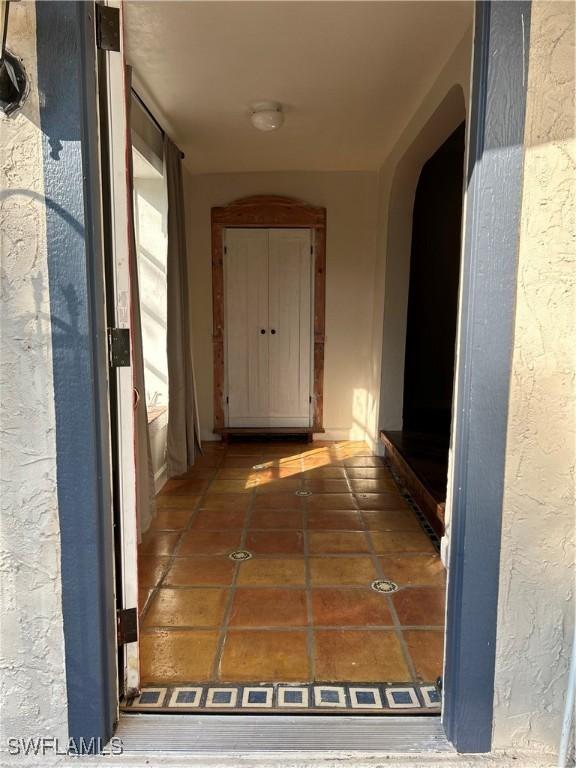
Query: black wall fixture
x: 13, y: 80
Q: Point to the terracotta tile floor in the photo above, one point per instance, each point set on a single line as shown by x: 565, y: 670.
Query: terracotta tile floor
x: 302, y: 609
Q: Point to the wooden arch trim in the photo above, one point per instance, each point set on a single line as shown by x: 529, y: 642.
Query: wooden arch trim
x: 269, y: 212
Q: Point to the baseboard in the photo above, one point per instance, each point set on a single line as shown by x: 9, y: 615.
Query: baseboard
x: 445, y: 550
x: 351, y: 434
x: 329, y: 434
x: 332, y: 434
x: 160, y: 478
x: 209, y: 437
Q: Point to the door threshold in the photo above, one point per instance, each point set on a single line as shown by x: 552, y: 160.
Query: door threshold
x: 221, y: 735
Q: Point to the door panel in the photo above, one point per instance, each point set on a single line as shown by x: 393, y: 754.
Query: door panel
x: 246, y: 292
x: 116, y: 194
x: 289, y: 307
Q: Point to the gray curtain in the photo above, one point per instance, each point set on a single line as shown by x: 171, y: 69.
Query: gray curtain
x: 183, y: 434
x: 145, y: 492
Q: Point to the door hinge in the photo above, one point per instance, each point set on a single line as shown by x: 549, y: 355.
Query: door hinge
x: 127, y: 625
x: 107, y: 28
x: 225, y: 249
x: 227, y: 399
x: 119, y: 347
x: 311, y: 249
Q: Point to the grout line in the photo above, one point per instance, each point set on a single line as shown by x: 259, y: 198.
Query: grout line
x: 293, y: 628
x: 392, y: 609
x: 232, y: 589
x: 398, y: 627
x: 171, y: 557
x: 396, y: 623
x: 292, y: 555
x: 276, y: 585
x: 310, y: 643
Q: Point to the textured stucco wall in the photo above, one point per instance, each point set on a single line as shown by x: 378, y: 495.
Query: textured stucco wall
x: 536, y: 604
x: 32, y: 681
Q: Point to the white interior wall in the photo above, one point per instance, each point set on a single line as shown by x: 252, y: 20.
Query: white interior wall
x: 158, y: 431
x: 351, y: 202
x: 442, y: 109
x: 150, y: 214
x: 150, y: 208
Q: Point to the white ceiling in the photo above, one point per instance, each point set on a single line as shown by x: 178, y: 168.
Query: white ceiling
x: 349, y: 75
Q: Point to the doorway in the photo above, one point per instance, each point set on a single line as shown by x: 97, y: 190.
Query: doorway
x: 277, y: 575
x: 290, y: 364
x: 433, y: 292
x: 268, y: 314
x: 471, y: 642
x: 420, y: 449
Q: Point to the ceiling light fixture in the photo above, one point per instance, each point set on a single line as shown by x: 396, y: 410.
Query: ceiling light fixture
x: 267, y: 115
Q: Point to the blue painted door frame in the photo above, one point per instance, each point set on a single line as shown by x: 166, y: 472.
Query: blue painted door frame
x: 66, y: 56
x: 488, y: 296
x: 69, y: 121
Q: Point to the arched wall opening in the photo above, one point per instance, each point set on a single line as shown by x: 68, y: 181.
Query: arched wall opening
x: 433, y: 292
x: 446, y: 118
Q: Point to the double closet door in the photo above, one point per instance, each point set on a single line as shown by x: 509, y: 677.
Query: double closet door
x: 268, y: 327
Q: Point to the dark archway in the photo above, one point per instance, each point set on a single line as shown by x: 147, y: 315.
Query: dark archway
x: 420, y: 449
x: 433, y: 292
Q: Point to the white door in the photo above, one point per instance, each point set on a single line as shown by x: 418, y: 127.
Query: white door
x: 268, y: 321
x: 115, y: 88
x: 246, y: 323
x: 290, y: 326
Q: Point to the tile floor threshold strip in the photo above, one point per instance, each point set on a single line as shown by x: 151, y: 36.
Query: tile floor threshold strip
x: 245, y: 734
x: 389, y: 698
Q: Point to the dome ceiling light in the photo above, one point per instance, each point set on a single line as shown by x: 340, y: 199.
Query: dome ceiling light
x: 266, y: 115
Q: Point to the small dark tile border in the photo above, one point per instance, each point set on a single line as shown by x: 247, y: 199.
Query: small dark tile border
x: 426, y: 527
x: 365, y: 698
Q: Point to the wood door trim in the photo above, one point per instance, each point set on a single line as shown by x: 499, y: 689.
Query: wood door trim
x: 269, y: 212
